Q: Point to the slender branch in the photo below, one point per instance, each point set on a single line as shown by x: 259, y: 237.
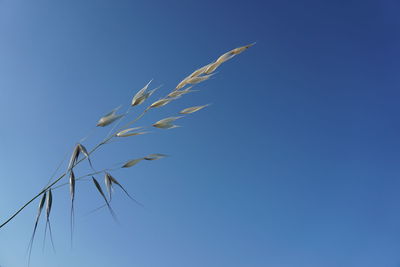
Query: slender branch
x: 30, y: 201
x: 65, y: 173
x: 107, y: 139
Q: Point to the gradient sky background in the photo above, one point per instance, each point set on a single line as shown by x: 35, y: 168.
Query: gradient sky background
x: 295, y: 163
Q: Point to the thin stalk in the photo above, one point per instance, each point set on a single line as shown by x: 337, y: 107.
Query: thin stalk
x: 65, y: 173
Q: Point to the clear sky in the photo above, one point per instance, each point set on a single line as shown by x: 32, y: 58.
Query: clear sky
x: 295, y: 163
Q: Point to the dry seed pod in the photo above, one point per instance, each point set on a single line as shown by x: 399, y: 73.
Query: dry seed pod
x: 96, y: 183
x: 74, y: 157
x: 72, y: 185
x: 132, y: 134
x: 41, y: 205
x: 49, y: 203
x: 182, y: 83
x: 108, y: 118
x: 161, y: 102
x: 142, y: 95
x: 132, y: 163
x: 192, y: 109
x: 84, y: 151
x: 199, y: 71
x: 108, y: 184
x: 198, y: 79
x: 225, y: 57
x: 166, y: 123
x: 212, y: 67
x: 239, y: 50
x: 40, y: 208
x: 228, y: 55
x: 128, y: 132
x: 114, y: 181
x: 155, y: 156
x: 179, y: 93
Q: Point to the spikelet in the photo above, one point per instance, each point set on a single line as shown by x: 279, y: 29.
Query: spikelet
x: 228, y: 55
x: 96, y: 183
x: 114, y: 181
x: 142, y: 95
x: 239, y: 50
x: 84, y: 151
x: 49, y: 203
x: 132, y: 162
x: 225, y: 57
x: 166, y: 123
x: 130, y: 132
x: 212, y: 67
x: 198, y: 79
x: 179, y: 93
x: 108, y: 183
x: 39, y: 211
x: 108, y: 118
x: 161, y: 102
x: 74, y: 157
x: 192, y: 109
x: 154, y: 156
x: 199, y: 71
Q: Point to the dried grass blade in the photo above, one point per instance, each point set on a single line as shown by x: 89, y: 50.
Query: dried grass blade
x: 192, y: 109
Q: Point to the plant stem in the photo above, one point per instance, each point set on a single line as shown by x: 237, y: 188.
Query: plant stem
x: 65, y: 173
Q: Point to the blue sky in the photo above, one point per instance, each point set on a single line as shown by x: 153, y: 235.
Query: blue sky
x: 295, y: 163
